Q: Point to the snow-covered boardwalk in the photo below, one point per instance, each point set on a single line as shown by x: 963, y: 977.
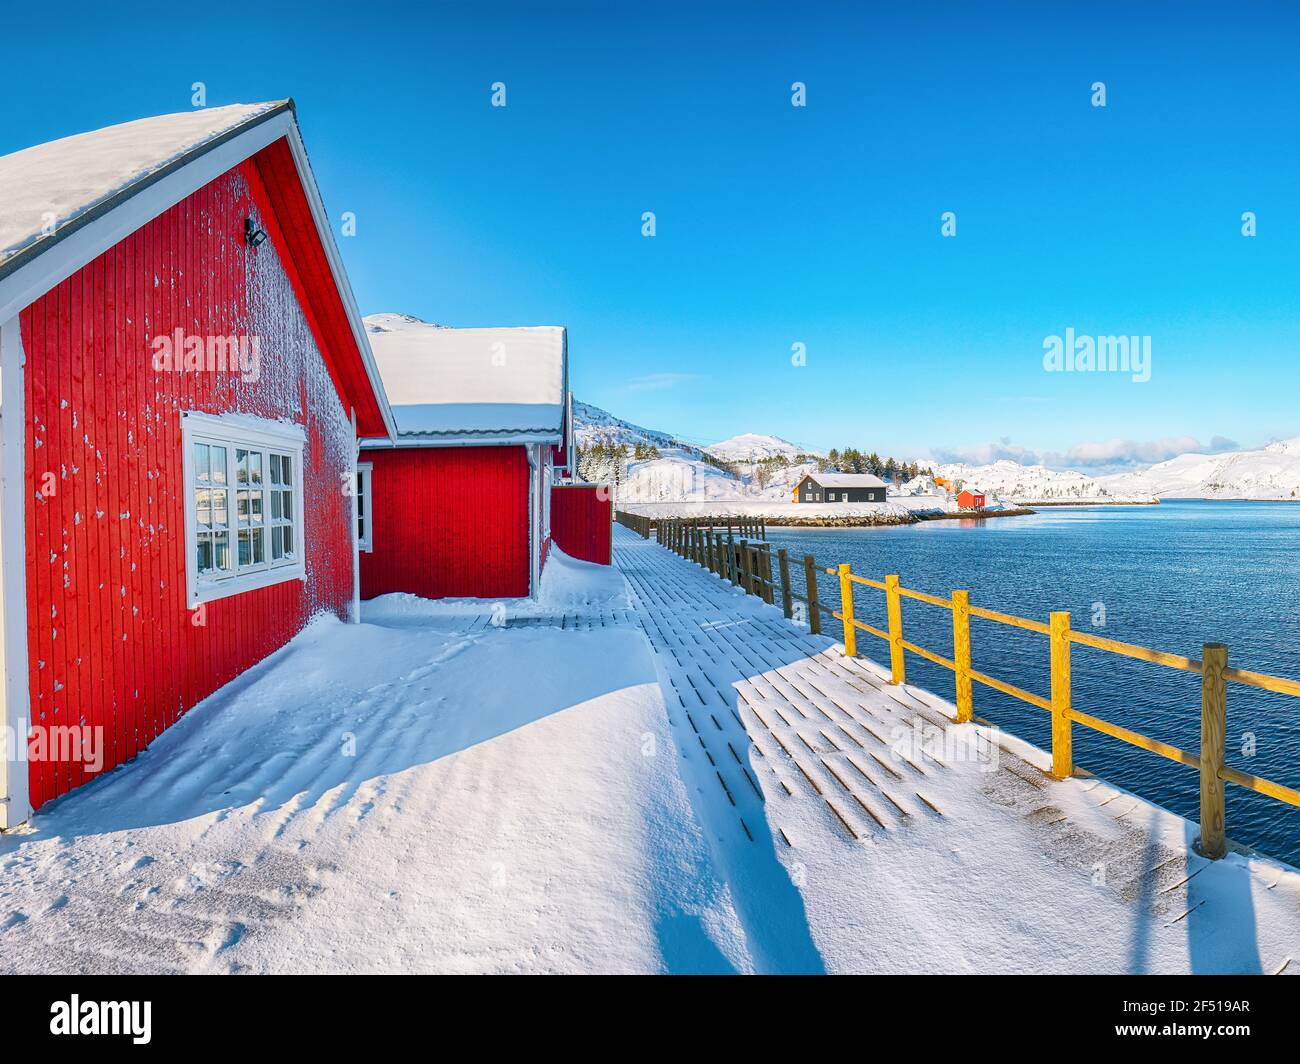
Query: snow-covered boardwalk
x: 913, y: 855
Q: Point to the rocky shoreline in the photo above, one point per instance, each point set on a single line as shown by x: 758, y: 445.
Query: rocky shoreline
x: 856, y: 521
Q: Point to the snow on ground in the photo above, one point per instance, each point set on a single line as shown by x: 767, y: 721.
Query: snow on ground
x: 423, y: 793
x: 568, y: 585
x: 376, y: 798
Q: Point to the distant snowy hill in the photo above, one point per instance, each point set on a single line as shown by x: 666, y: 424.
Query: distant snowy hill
x: 390, y: 322
x: 682, y: 471
x: 592, y: 425
x: 751, y: 447
x: 1013, y: 482
x: 1271, y: 472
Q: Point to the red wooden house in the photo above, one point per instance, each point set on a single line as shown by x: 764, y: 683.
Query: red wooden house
x: 970, y: 499
x: 458, y: 502
x: 183, y: 382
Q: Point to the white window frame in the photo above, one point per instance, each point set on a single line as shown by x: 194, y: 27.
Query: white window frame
x: 365, y: 492
x: 253, y: 434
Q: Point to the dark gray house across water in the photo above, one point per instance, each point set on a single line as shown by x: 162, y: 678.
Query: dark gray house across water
x: 840, y: 487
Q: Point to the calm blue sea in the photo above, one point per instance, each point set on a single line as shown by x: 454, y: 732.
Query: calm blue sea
x: 1172, y: 577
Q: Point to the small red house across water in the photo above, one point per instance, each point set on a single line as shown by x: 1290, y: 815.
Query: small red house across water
x: 970, y: 499
x: 184, y: 379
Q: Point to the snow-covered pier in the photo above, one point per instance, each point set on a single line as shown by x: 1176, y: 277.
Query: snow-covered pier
x: 922, y: 845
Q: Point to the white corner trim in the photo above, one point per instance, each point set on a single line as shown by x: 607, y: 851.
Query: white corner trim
x: 366, y: 471
x: 354, y: 612
x: 534, y: 519
x: 65, y: 258
x: 15, y: 696
x: 234, y: 429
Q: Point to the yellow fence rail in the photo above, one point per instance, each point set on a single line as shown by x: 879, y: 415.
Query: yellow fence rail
x: 1212, y: 668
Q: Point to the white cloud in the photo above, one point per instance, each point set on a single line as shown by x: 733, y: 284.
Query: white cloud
x: 1103, y: 456
x: 655, y: 382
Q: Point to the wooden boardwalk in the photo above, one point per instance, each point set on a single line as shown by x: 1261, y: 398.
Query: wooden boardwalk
x: 791, y: 728
x: 746, y: 679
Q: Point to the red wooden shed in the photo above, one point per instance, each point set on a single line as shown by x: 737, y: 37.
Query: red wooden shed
x: 970, y: 499
x: 183, y: 381
x: 458, y: 502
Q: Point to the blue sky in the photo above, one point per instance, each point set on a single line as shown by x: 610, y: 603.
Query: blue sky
x: 779, y: 225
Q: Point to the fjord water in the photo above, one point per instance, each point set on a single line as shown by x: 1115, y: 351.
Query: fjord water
x: 1170, y: 577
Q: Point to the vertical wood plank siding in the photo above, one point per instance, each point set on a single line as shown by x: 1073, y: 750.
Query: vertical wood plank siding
x: 449, y: 522
x: 112, y: 644
x: 581, y: 522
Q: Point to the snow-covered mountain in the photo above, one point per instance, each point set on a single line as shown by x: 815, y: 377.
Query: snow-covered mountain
x: 682, y: 471
x: 387, y: 321
x: 752, y: 447
x: 1013, y: 482
x: 1271, y: 472
x: 592, y: 425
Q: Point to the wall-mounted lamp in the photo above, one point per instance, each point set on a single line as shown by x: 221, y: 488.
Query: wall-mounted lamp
x: 254, y: 236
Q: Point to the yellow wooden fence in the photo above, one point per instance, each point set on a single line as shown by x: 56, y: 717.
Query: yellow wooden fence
x: 1212, y: 668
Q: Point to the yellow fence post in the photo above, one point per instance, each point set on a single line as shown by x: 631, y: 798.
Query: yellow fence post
x: 961, y: 655
x: 1062, y: 737
x: 846, y: 610
x: 1214, y: 712
x: 894, y: 603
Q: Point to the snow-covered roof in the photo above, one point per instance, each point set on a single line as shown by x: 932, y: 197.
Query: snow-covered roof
x: 51, y: 187
x: 471, y: 382
x: 64, y: 203
x: 847, y: 480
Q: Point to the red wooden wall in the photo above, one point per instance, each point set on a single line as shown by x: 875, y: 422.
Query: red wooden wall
x: 581, y: 516
x: 449, y: 522
x: 112, y: 644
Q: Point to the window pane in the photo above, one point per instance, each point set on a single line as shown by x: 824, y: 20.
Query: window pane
x: 204, y: 551
x: 275, y: 503
x: 220, y: 517
x: 241, y: 466
x: 218, y: 464
x: 286, y: 505
x: 241, y: 506
x: 277, y: 543
x: 221, y: 551
x: 203, y: 507
x: 259, y: 546
x: 286, y: 468
x: 361, y: 528
x: 201, y: 461
x: 288, y: 541
x: 255, y: 466
x: 275, y: 469
x: 255, y: 506
x: 245, y: 548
